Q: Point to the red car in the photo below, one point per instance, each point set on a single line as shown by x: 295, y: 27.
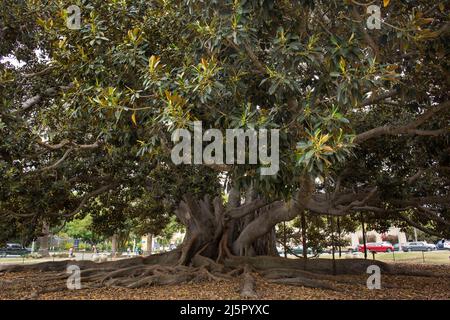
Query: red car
x: 377, y: 247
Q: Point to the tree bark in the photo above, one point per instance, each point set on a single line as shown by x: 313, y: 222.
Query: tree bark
x: 339, y: 236
x: 304, y: 242
x: 364, y: 236
x: 43, y: 241
x: 284, y: 239
x: 333, y: 245
x: 148, y: 244
x: 273, y: 214
x: 114, y: 244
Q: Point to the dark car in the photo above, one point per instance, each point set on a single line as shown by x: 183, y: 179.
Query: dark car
x: 299, y: 250
x: 418, y: 246
x: 296, y: 250
x: 13, y: 249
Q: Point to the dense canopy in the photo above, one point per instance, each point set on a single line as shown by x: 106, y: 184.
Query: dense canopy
x: 86, y: 116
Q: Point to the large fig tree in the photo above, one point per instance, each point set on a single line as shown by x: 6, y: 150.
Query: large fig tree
x: 87, y: 115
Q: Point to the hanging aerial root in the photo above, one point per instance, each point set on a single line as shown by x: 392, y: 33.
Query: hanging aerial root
x: 186, y: 251
x: 224, y: 251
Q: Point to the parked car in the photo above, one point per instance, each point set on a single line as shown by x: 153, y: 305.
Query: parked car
x: 299, y: 250
x: 295, y: 250
x: 396, y: 247
x: 13, y: 249
x: 348, y: 249
x: 443, y: 244
x: 377, y: 247
x: 329, y: 250
x: 418, y: 246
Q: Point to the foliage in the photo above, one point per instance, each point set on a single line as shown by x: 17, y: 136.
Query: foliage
x: 79, y: 229
x: 86, y: 119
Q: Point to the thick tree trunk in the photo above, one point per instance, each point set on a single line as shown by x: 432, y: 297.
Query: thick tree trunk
x: 364, y: 236
x: 339, y: 236
x: 284, y: 239
x: 148, y: 245
x: 304, y: 242
x: 114, y: 244
x: 333, y: 244
x: 247, y: 229
x: 271, y: 215
x: 204, y: 227
x: 43, y: 241
x: 209, y: 230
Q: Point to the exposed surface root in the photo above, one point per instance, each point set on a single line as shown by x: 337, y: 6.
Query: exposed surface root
x: 165, y: 269
x: 321, y: 266
x: 248, y: 287
x: 305, y: 282
x: 278, y: 276
x: 405, y: 270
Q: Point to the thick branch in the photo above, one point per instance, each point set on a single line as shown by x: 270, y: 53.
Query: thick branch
x: 31, y: 102
x: 410, y: 128
x: 239, y: 212
x: 90, y: 195
x: 251, y: 54
x: 66, y: 142
x: 277, y: 212
x: 419, y: 226
x: 39, y: 73
x: 378, y: 98
x: 431, y: 214
x: 57, y: 163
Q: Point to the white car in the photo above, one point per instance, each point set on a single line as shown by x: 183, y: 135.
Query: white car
x: 443, y: 244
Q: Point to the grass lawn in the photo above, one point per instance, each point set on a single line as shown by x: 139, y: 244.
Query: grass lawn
x: 438, y: 257
x: 434, y: 257
x: 20, y: 260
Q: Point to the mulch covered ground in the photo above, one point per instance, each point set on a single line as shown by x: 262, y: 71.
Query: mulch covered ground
x: 21, y: 285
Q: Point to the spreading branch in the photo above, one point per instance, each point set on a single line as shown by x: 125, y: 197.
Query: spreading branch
x: 31, y: 102
x: 89, y: 196
x: 378, y: 98
x: 73, y: 147
x: 411, y: 128
x: 57, y: 163
x: 70, y: 143
x: 39, y: 73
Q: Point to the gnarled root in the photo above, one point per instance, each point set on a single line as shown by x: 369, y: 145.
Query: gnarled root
x: 248, y: 286
x: 304, y: 282
x: 166, y: 270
